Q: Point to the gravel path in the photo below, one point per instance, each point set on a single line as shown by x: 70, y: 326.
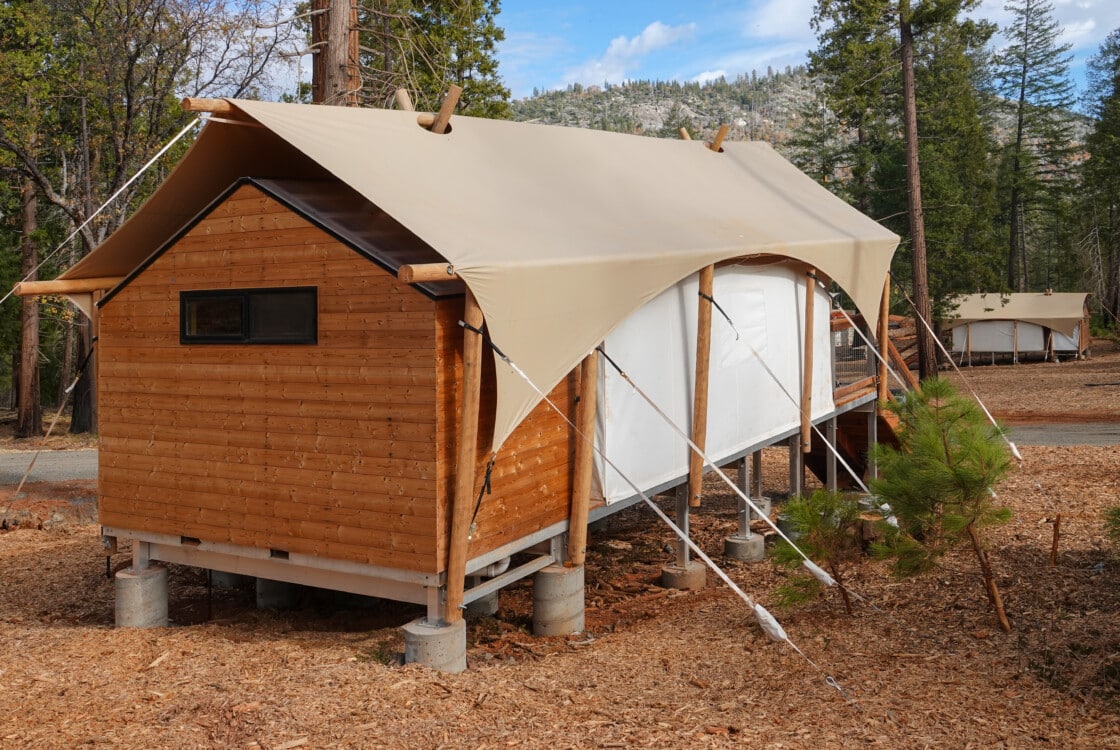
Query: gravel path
x: 50, y: 466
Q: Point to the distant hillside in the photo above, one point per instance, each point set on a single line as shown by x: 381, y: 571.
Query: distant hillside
x: 756, y: 107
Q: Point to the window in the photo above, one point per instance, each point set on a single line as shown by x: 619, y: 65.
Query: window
x: 286, y: 315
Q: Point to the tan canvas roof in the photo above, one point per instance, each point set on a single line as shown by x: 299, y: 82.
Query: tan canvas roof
x: 560, y: 233
x: 1061, y: 311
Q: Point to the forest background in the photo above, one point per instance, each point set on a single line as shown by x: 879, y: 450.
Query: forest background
x: 1020, y: 171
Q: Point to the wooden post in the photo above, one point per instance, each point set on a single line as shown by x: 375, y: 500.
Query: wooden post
x: 1054, y: 543
x: 717, y: 144
x: 831, y: 482
x: 465, y: 459
x: 968, y: 341
x: 700, y: 390
x: 66, y: 286
x: 756, y: 472
x: 807, y: 372
x: 884, y: 335
x: 585, y: 452
x: 443, y: 118
x: 684, y: 134
x: 404, y: 101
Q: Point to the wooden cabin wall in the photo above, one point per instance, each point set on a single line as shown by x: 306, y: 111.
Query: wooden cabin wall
x: 326, y: 449
x: 531, y: 481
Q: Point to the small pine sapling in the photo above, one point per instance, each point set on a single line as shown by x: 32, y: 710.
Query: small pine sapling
x: 1112, y: 524
x: 827, y: 528
x: 940, y: 485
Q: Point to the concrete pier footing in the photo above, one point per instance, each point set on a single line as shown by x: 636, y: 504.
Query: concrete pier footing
x: 558, y: 601
x: 692, y: 576
x: 141, y: 597
x: 278, y: 595
x: 746, y: 548
x: 441, y: 646
x: 486, y: 606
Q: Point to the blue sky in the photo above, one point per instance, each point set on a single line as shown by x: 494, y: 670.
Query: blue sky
x: 552, y: 43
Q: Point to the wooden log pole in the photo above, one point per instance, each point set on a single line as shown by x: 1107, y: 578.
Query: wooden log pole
x: 443, y: 118
x: 465, y: 459
x: 717, y: 144
x: 807, y: 371
x: 585, y: 452
x: 700, y: 390
x: 213, y: 106
x: 404, y: 101
x: 1054, y: 542
x: 426, y: 272
x: 884, y: 337
x: 684, y: 134
x: 66, y: 286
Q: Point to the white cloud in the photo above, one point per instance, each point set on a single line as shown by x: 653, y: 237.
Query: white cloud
x: 780, y: 19
x: 709, y: 75
x: 624, y: 54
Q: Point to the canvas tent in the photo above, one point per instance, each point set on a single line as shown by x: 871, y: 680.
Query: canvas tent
x: 560, y: 233
x: 567, y: 239
x: 1034, y: 323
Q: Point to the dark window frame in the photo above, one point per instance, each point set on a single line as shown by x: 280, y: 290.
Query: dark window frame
x: 245, y: 336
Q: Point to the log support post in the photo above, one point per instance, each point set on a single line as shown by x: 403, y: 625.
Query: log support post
x: 796, y: 466
x: 465, y: 459
x: 831, y: 482
x: 585, y: 452
x: 884, y: 338
x: 700, y: 391
x: 807, y: 369
x: 872, y: 439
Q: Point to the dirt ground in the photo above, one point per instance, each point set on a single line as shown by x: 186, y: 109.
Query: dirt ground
x: 922, y: 664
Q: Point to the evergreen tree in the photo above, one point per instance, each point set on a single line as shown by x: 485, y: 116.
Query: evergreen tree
x: 939, y: 486
x: 1102, y: 175
x: 856, y: 62
x: 1033, y: 75
x: 424, y: 46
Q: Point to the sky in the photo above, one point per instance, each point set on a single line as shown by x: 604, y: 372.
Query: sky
x: 552, y: 43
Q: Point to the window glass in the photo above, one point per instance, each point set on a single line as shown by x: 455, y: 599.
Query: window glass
x: 282, y: 315
x: 249, y: 316
x: 214, y: 316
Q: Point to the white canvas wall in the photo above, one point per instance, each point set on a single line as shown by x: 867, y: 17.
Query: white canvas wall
x: 999, y: 336
x: 1064, y: 343
x: 657, y: 348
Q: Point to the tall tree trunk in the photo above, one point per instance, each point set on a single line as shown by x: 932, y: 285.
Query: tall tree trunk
x: 335, y: 78
x: 927, y: 355
x: 29, y: 412
x: 84, y: 415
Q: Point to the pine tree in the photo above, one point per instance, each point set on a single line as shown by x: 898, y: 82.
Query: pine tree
x: 940, y: 484
x: 1033, y: 75
x: 424, y: 46
x: 1102, y: 174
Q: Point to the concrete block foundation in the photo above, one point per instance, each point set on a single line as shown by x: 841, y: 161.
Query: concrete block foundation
x: 441, y: 646
x: 746, y: 548
x: 141, y: 597
x: 558, y: 601
x: 693, y: 576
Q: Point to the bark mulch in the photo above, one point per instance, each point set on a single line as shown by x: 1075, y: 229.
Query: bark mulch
x: 922, y: 665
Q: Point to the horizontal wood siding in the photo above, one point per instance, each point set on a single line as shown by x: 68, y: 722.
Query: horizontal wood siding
x: 531, y: 480
x: 327, y: 449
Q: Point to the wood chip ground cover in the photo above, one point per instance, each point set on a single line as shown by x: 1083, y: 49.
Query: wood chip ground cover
x: 927, y: 667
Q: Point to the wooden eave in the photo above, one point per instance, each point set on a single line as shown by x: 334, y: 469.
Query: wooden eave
x: 357, y: 238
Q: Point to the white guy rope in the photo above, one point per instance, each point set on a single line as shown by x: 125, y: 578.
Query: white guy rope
x: 975, y: 395
x: 766, y: 621
x: 873, y: 348
x: 104, y: 205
